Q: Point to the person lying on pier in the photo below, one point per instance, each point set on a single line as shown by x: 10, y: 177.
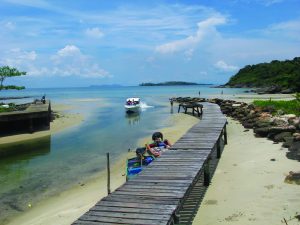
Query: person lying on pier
x: 158, y: 145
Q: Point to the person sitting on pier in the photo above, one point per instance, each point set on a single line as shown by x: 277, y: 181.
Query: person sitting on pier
x: 158, y: 146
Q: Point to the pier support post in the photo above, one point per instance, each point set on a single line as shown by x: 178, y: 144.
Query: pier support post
x: 225, y: 135
x: 108, y: 174
x: 218, y: 149
x: 206, y: 174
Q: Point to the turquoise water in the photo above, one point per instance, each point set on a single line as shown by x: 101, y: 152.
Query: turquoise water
x: 49, y: 165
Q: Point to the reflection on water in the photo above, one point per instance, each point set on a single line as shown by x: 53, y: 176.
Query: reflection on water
x: 133, y: 118
x: 28, y: 148
x: 16, y: 181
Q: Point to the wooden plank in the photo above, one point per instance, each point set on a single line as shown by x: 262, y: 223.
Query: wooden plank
x: 144, y: 199
x: 128, y: 210
x: 136, y: 205
x: 130, y: 215
x: 122, y: 220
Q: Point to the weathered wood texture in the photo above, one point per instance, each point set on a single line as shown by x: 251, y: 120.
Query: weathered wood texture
x: 157, y: 194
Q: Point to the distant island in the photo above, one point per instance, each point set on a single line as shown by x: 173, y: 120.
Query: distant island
x: 277, y: 76
x: 105, y: 85
x: 171, y: 83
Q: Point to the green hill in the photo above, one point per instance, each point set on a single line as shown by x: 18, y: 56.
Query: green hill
x: 284, y: 74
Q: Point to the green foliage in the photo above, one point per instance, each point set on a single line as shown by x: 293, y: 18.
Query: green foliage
x: 11, y: 108
x: 287, y: 107
x: 13, y: 87
x: 5, y: 72
x: 285, y: 74
x: 297, y: 96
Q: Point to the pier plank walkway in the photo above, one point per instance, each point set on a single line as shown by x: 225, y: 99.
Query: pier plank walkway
x: 156, y: 195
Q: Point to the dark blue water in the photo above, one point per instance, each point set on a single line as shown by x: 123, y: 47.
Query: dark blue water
x: 48, y: 165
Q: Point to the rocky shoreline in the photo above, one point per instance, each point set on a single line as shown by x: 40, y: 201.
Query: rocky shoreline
x: 283, y: 129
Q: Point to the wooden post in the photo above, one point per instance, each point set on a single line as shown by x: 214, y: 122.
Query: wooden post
x: 108, y: 174
x: 206, y: 174
x: 225, y: 135
x: 179, y: 106
x: 218, y: 149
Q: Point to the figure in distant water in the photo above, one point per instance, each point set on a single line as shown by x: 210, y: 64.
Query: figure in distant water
x: 43, y: 100
x: 199, y: 93
x: 222, y: 92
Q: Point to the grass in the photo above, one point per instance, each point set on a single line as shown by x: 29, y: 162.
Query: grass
x: 287, y: 107
x: 10, y: 109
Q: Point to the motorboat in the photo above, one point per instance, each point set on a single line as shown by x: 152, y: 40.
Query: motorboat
x: 132, y: 105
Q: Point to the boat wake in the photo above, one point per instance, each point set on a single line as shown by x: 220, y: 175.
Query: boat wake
x: 144, y: 106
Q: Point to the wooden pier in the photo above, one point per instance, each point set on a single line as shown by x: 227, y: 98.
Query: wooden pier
x: 35, y: 115
x: 158, y: 194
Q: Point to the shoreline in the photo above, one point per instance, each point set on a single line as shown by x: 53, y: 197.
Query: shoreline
x: 67, y: 206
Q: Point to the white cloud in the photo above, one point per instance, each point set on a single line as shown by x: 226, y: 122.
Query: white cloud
x: 288, y: 29
x: 221, y: 65
x: 94, y: 32
x: 205, y: 28
x: 70, y: 61
x: 68, y: 50
x: 10, y: 25
x: 189, y: 54
x: 16, y: 57
x: 271, y: 2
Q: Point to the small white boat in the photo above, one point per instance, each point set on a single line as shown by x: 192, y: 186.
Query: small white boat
x: 132, y: 105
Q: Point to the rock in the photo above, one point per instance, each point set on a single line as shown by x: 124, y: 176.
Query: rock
x: 261, y: 123
x: 261, y: 132
x: 287, y: 91
x: 296, y: 136
x: 280, y: 137
x: 294, y: 151
x: 288, y: 142
x: 269, y: 90
x: 295, y: 146
x: 248, y: 125
x: 280, y: 121
x: 293, y: 177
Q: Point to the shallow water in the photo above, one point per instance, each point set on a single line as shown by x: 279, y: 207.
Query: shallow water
x: 48, y: 165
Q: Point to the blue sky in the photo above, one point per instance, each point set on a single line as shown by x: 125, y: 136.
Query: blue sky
x: 81, y: 43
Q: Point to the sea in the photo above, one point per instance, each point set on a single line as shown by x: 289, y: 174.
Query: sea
x: 47, y: 166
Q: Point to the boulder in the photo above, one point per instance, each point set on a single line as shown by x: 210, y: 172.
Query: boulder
x: 288, y: 142
x: 294, y: 151
x: 261, y: 132
x: 293, y: 178
x: 281, y: 136
x: 287, y: 91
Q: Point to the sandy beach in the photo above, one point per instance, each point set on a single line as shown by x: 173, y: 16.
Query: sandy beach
x: 248, y: 186
x: 66, y: 207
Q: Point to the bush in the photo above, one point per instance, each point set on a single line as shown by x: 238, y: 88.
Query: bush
x: 287, y: 107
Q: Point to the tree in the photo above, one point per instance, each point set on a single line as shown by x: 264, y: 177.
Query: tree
x: 6, y: 71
